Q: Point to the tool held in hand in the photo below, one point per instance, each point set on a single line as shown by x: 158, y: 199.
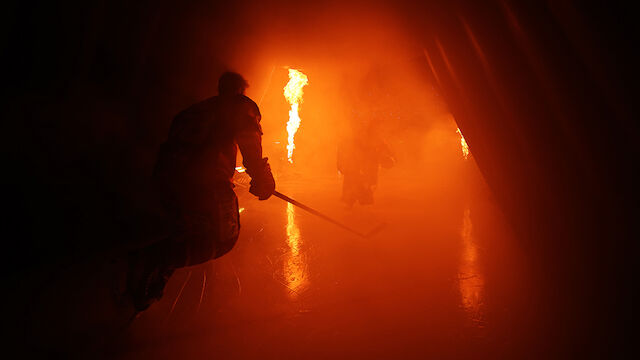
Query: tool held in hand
x: 242, y: 180
x: 325, y: 217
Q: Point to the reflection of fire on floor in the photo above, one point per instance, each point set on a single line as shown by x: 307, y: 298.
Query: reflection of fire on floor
x: 470, y: 277
x: 295, y: 271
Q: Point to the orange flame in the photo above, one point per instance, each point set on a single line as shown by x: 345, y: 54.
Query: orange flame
x: 293, y: 92
x: 463, y: 145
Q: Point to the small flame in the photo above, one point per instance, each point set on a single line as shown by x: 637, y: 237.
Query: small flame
x: 293, y: 92
x: 240, y: 169
x: 463, y: 145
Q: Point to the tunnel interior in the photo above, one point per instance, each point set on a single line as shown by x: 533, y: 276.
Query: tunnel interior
x: 516, y: 248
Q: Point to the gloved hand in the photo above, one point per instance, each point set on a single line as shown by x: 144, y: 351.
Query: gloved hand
x: 262, y: 184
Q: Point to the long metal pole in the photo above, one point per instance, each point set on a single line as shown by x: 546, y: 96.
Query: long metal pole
x: 319, y: 214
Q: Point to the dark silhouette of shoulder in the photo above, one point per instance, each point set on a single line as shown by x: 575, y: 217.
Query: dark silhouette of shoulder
x: 250, y: 106
x: 249, y: 114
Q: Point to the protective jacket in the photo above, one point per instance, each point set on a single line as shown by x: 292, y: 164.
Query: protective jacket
x: 194, y: 174
x: 201, y: 148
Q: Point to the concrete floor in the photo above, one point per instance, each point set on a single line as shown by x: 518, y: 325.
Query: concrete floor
x: 444, y: 278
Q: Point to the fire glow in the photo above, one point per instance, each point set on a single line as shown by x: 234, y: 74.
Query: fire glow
x: 295, y: 271
x: 471, y: 280
x: 463, y: 145
x: 293, y: 93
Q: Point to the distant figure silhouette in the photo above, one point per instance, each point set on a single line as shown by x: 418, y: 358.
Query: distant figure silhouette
x: 193, y: 176
x: 360, y: 154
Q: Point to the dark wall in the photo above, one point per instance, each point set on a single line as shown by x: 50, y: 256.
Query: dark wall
x: 543, y: 95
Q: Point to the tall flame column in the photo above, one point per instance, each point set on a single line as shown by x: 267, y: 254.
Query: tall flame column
x: 293, y: 93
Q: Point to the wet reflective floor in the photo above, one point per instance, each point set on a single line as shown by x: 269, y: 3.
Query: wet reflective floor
x: 444, y: 278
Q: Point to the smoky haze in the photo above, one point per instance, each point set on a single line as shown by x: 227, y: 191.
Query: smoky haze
x: 360, y: 60
x: 99, y: 90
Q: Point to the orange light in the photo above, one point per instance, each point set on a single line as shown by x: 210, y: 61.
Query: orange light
x: 293, y: 93
x: 471, y: 280
x: 295, y: 271
x: 463, y: 145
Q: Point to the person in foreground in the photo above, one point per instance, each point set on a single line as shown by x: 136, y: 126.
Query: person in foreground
x: 193, y: 176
